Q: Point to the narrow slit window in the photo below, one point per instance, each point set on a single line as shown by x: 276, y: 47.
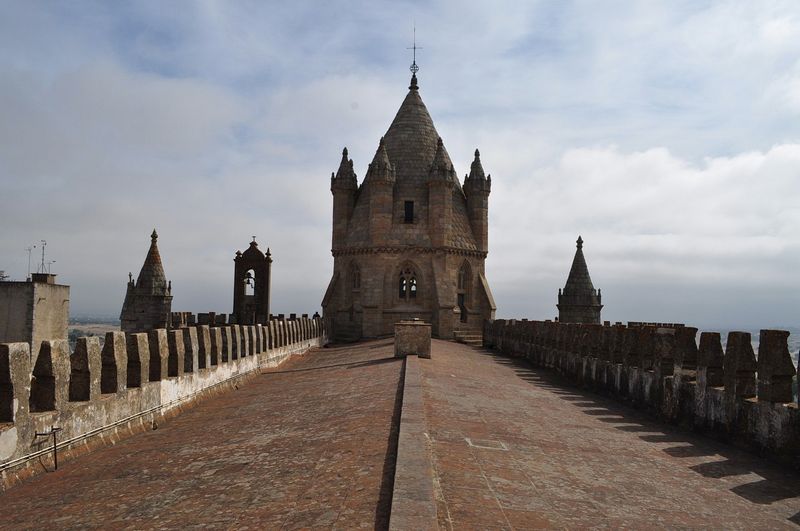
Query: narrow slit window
x: 409, y: 212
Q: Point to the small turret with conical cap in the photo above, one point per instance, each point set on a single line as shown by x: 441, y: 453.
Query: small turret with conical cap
x: 380, y: 169
x: 477, y: 187
x: 441, y: 180
x: 379, y: 183
x: 442, y: 167
x: 344, y: 187
x: 148, y: 301
x: 579, y: 302
x: 345, y: 177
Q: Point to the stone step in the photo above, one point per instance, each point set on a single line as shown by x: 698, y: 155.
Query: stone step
x: 472, y: 342
x: 471, y: 337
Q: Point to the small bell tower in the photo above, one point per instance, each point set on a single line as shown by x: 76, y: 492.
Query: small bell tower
x: 251, y: 285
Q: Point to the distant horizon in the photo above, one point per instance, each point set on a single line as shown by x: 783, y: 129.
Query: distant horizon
x: 109, y: 318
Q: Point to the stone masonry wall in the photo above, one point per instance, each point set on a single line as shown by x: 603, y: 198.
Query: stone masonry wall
x: 95, y: 395
x: 732, y: 394
x: 31, y: 312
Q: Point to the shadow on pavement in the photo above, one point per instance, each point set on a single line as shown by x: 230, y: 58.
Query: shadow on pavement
x: 777, y: 483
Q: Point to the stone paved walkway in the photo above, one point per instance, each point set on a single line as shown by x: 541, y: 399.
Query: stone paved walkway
x: 514, y: 449
x: 307, y: 445
x: 311, y: 445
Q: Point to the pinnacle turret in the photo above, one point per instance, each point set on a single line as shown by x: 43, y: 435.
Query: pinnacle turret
x: 148, y: 301
x: 345, y: 178
x: 477, y: 180
x: 380, y: 169
x: 579, y: 302
x: 441, y: 167
x: 476, y: 170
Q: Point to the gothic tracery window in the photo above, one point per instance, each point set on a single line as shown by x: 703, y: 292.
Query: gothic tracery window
x: 408, y: 284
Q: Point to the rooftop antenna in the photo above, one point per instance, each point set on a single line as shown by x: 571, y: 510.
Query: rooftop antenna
x: 414, y: 68
x: 29, y: 249
x: 42, y: 266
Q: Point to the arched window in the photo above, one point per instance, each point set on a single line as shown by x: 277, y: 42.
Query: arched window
x: 355, y: 276
x: 250, y: 283
x: 408, y: 284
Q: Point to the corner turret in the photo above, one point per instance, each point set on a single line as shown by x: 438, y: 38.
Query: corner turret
x: 477, y: 187
x: 344, y: 187
x: 579, y: 302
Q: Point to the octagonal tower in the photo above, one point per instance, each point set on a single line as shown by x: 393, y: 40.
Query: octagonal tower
x: 410, y: 241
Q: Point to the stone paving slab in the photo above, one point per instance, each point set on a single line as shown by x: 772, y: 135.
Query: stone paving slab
x: 515, y: 448
x: 310, y: 444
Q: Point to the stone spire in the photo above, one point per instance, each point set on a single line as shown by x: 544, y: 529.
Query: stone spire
x: 411, y: 140
x: 579, y: 302
x: 476, y: 169
x: 152, y: 280
x: 441, y: 167
x: 380, y: 169
x: 345, y: 177
x: 477, y: 187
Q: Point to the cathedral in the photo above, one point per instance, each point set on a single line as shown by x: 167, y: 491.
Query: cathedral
x: 410, y: 240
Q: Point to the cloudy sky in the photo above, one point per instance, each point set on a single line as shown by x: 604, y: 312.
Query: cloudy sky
x: 665, y: 133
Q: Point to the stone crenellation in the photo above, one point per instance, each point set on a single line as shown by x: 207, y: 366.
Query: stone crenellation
x: 731, y: 394
x: 128, y: 383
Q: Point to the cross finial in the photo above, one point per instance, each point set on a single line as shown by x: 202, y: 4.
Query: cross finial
x: 414, y: 68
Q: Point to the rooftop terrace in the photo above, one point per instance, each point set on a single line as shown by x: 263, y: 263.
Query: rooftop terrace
x: 314, y: 443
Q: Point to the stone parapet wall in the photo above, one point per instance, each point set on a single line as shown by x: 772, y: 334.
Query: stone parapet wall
x: 94, y: 394
x: 730, y: 394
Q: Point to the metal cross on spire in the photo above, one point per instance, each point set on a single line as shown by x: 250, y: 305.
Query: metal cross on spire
x: 414, y: 68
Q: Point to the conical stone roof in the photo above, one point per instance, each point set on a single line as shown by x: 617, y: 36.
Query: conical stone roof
x: 578, y: 282
x: 411, y: 146
x: 152, y: 280
x: 411, y: 140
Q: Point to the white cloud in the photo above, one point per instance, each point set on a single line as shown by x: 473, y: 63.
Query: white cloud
x: 651, y: 218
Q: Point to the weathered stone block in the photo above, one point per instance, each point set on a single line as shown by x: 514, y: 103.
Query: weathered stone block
x: 159, y: 354
x: 740, y: 366
x: 710, y: 359
x: 138, y: 352
x: 775, y: 367
x: 412, y: 337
